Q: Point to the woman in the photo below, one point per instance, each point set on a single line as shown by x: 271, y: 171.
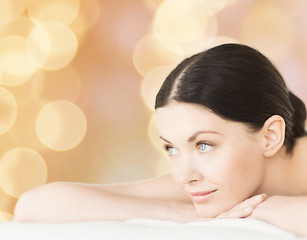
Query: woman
x: 236, y: 140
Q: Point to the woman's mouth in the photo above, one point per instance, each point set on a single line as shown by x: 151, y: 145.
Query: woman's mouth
x: 201, y: 197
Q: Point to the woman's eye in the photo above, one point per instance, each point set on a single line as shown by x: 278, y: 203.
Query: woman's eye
x: 204, y: 147
x: 170, y: 150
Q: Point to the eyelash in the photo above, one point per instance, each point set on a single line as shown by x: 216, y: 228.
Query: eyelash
x: 205, y: 143
x: 168, y: 147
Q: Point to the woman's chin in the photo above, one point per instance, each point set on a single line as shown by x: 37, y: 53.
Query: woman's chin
x: 211, y: 210
x: 207, y: 212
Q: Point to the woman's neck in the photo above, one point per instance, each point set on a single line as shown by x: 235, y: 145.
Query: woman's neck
x: 285, y: 174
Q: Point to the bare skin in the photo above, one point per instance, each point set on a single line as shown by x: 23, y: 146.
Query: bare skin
x: 157, y: 198
x: 248, y: 173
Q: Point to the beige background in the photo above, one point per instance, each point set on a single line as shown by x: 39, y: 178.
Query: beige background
x: 112, y: 77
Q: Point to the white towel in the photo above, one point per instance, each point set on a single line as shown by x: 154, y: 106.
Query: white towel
x: 145, y: 229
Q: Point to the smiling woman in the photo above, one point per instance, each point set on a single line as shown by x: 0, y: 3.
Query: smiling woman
x: 208, y: 157
x: 236, y: 142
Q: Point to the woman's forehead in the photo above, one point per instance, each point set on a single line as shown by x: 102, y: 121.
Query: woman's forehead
x: 186, y: 110
x: 188, y: 115
x: 186, y: 118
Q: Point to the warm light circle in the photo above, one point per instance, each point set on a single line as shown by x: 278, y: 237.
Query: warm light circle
x: 64, y: 84
x: 216, y: 41
x: 8, y: 108
x: 155, y: 50
x: 20, y: 170
x: 10, y: 9
x: 152, y: 83
x: 63, y: 11
x: 5, y: 217
x: 210, y: 7
x: 272, y: 32
x: 20, y: 26
x: 191, y: 48
x: 52, y: 45
x: 181, y: 20
x: 88, y: 15
x: 7, y: 203
x: 15, y: 64
x: 154, y: 134
x: 61, y: 125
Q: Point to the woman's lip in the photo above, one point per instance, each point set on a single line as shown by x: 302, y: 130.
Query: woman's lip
x: 202, y: 197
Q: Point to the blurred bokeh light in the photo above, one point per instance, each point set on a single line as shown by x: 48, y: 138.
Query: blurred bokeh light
x: 8, y: 108
x: 272, y: 29
x: 52, y: 45
x: 78, y: 79
x: 10, y: 9
x: 61, y: 125
x: 153, y: 81
x: 155, y: 50
x: 13, y: 53
x: 188, y: 15
x: 63, y: 11
x: 20, y: 170
x: 20, y: 26
x: 4, y: 216
x: 88, y: 15
x: 7, y: 202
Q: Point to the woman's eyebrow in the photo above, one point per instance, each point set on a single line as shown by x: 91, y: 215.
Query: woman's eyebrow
x: 165, y: 140
x: 194, y: 136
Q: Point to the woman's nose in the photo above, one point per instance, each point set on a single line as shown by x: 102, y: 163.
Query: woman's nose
x: 190, y: 173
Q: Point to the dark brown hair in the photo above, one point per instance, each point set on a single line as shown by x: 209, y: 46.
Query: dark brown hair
x: 237, y: 83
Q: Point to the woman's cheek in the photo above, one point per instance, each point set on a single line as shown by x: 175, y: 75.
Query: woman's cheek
x: 243, y: 174
x: 175, y: 171
x: 230, y: 168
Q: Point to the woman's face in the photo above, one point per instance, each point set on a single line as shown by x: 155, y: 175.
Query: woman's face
x: 218, y: 163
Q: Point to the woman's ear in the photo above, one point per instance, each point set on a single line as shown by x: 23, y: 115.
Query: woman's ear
x: 274, y: 135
